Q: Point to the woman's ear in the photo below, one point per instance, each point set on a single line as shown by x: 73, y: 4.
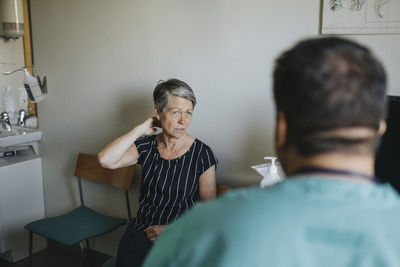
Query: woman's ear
x: 157, y: 112
x: 382, y: 128
x: 281, y: 130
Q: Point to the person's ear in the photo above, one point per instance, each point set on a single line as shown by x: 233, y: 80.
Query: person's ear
x: 281, y: 130
x: 157, y: 112
x: 382, y: 128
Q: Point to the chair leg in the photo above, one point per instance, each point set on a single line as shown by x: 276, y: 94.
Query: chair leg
x: 30, y: 248
x: 87, y: 244
x: 88, y: 252
x: 82, y: 254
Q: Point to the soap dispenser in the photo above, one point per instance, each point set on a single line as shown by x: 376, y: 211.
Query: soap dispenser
x: 32, y: 87
x: 268, y: 171
x: 271, y: 176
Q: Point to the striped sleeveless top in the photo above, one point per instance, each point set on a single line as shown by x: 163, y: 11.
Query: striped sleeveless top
x: 169, y: 187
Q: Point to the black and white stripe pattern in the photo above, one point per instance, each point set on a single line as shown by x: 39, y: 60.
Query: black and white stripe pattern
x: 169, y: 187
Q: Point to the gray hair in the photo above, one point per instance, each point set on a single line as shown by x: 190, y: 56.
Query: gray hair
x: 165, y: 90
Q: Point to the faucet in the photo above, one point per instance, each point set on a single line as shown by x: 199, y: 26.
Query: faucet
x: 5, y: 121
x: 23, y: 115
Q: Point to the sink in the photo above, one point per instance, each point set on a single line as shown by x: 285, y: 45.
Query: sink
x: 18, y: 136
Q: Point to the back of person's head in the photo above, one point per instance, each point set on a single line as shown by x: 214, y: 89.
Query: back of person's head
x: 324, y: 87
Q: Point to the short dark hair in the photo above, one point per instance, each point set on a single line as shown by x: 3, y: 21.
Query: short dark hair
x: 165, y: 90
x: 325, y: 84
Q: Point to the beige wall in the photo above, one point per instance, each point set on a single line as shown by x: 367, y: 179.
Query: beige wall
x: 103, y: 58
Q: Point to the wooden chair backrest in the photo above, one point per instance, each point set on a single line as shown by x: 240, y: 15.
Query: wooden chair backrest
x: 88, y: 167
x: 222, y: 189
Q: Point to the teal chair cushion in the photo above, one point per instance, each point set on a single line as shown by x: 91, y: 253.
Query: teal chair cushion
x: 111, y: 262
x: 75, y: 226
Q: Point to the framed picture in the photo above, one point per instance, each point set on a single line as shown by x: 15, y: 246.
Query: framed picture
x: 360, y: 17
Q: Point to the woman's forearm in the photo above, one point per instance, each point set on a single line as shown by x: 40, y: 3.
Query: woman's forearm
x: 121, y: 150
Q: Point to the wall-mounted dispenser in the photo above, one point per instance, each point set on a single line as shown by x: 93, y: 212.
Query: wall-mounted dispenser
x: 11, y: 18
x: 35, y: 88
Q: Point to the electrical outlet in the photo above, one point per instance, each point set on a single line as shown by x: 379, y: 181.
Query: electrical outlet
x: 22, y: 98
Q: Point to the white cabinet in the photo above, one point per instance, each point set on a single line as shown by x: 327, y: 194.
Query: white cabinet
x: 21, y: 201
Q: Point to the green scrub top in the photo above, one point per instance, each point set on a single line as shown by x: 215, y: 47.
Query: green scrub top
x: 302, y: 221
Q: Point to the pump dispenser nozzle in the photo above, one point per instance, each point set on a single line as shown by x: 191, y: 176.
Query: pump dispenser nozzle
x: 272, y: 168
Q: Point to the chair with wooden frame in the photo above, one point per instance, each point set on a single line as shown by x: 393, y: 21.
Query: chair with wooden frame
x: 84, y: 223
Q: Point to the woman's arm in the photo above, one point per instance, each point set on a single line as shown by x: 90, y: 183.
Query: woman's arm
x: 207, y: 184
x: 122, y: 151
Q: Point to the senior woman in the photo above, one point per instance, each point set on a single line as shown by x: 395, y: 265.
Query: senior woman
x: 177, y: 169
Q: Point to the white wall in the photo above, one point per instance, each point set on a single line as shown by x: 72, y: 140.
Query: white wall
x: 103, y: 59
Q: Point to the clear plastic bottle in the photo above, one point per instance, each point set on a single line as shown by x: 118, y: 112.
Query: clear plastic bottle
x: 8, y: 102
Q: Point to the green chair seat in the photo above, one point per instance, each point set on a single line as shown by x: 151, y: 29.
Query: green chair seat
x: 111, y: 262
x: 80, y: 224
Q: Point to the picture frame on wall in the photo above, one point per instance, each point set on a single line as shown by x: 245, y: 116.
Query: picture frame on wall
x: 360, y: 17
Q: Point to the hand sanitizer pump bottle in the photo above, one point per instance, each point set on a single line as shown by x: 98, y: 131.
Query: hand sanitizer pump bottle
x: 272, y: 176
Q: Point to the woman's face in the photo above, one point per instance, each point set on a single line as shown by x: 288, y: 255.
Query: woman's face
x: 176, y: 116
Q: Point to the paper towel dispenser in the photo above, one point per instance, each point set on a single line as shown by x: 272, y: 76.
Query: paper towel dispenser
x: 11, y: 18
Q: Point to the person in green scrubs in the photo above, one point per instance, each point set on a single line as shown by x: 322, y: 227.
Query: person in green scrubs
x: 331, y: 210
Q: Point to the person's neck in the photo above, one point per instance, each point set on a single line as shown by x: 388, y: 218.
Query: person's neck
x: 172, y: 144
x: 359, y: 163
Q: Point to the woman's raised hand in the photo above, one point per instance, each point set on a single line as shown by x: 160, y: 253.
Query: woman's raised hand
x: 147, y: 127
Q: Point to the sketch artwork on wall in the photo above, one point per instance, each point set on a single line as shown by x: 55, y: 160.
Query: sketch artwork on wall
x: 360, y: 17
